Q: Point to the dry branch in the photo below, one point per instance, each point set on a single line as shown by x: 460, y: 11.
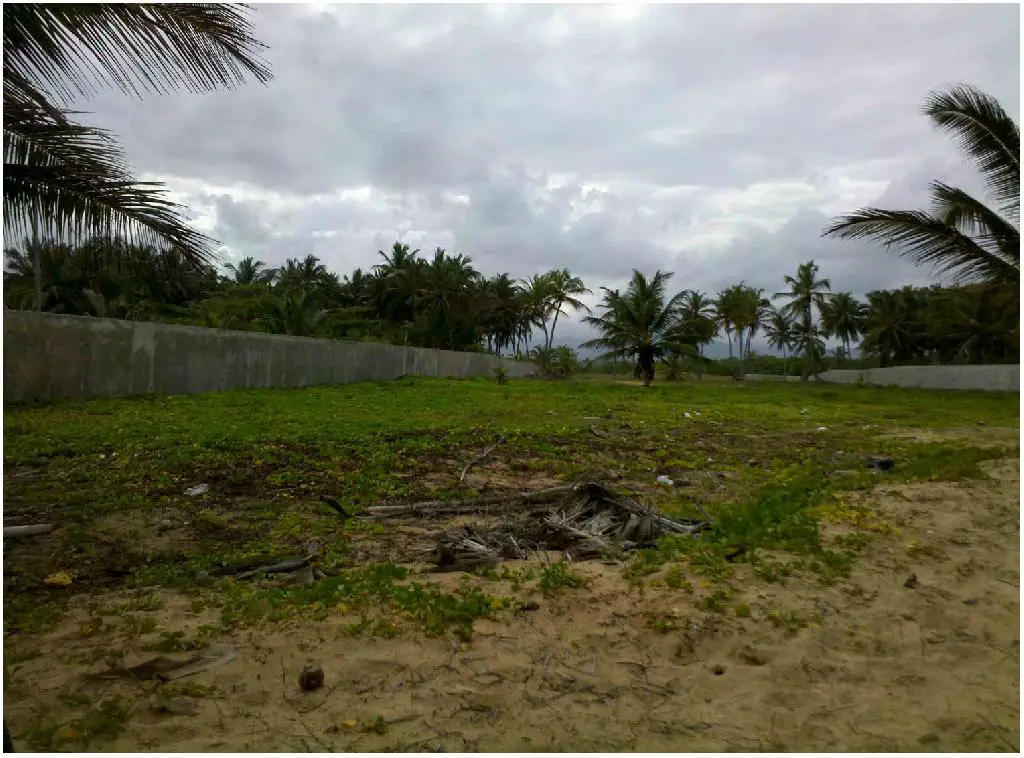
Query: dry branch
x: 474, y: 461
x: 28, y: 530
x: 467, y: 505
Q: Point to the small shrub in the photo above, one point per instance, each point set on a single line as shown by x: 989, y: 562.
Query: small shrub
x: 559, y: 576
x: 500, y: 374
x: 713, y: 603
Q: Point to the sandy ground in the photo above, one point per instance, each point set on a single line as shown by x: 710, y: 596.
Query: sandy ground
x: 879, y: 667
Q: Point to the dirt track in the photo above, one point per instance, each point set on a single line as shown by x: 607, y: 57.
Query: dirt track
x: 867, y: 665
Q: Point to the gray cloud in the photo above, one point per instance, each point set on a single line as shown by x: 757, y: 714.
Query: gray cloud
x: 713, y: 140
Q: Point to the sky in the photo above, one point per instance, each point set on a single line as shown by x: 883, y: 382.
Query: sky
x: 713, y: 141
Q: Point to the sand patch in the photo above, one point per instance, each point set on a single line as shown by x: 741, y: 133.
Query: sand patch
x: 867, y: 664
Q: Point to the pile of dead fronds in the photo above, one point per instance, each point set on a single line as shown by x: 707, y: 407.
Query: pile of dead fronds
x: 583, y: 521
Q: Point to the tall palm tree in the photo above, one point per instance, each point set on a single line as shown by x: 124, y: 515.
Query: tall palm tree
x: 960, y: 235
x: 537, y: 295
x: 806, y: 292
x: 564, y: 289
x: 842, y: 316
x: 780, y: 330
x: 68, y: 180
x: 695, y: 304
x: 643, y: 324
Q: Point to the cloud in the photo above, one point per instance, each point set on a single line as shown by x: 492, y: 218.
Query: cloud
x: 711, y: 140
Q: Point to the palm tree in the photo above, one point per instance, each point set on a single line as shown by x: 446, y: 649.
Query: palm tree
x: 843, y: 316
x: 960, y: 235
x: 537, y: 294
x: 250, y: 271
x: 68, y: 180
x: 563, y: 289
x: 447, y: 295
x: 296, y: 313
x: 641, y: 324
x: 780, y: 330
x: 886, y: 326
x: 695, y: 304
x: 806, y: 292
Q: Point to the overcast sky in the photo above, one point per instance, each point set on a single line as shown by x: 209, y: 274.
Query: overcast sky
x: 710, y: 140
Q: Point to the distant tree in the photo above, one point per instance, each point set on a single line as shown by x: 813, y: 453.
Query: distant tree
x: 780, y: 329
x: 806, y: 292
x: 643, y: 324
x: 250, y: 271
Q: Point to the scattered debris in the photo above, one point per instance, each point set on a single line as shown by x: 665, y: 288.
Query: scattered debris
x: 662, y: 479
x: 911, y: 582
x: 530, y: 605
x: 169, y: 668
x: 718, y: 669
x: 177, y: 706
x: 734, y: 552
x: 822, y: 428
x: 583, y: 521
x: 199, y: 489
x: 28, y: 530
x: 971, y: 601
x: 286, y: 566
x: 686, y: 414
x: 880, y: 462
x: 312, y: 677
x: 60, y: 579
x: 334, y: 505
x: 934, y: 638
x: 474, y: 461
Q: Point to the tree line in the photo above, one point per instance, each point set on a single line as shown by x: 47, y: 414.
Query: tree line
x: 443, y: 301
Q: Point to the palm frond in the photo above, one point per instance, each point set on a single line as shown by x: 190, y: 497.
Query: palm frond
x: 926, y: 240
x: 975, y: 219
x: 76, y: 179
x: 986, y: 133
x: 66, y: 48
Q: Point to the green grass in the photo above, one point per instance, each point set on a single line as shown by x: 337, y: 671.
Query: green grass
x: 112, y: 470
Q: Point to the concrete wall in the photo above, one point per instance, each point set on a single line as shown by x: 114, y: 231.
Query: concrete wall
x: 1002, y: 378
x: 49, y: 356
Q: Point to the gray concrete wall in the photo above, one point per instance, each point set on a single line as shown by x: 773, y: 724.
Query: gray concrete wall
x: 49, y: 356
x: 1000, y: 378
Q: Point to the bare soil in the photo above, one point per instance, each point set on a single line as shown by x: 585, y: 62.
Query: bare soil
x: 866, y: 665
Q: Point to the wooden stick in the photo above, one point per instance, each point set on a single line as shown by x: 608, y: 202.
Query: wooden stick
x: 554, y: 522
x: 484, y: 454
x: 469, y: 505
x: 28, y: 530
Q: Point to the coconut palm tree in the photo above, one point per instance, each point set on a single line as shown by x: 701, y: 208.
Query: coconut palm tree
x: 695, y: 304
x: 250, y: 271
x: 842, y: 316
x: 886, y: 326
x: 67, y: 180
x: 562, y: 294
x: 537, y: 295
x: 806, y: 292
x: 643, y: 324
x: 780, y: 330
x: 960, y: 235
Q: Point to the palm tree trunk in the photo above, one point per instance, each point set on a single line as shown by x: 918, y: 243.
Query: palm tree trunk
x: 37, y: 266
x: 551, y: 338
